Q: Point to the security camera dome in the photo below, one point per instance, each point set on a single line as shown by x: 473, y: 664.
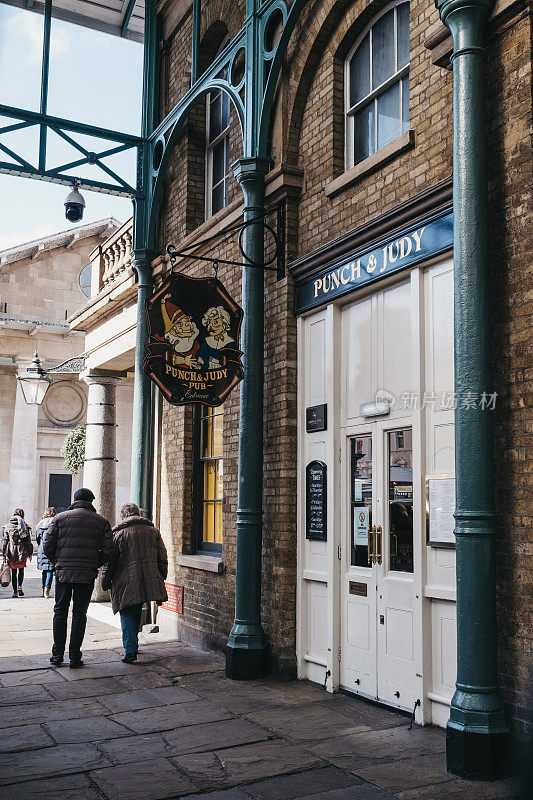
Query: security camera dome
x: 74, y: 205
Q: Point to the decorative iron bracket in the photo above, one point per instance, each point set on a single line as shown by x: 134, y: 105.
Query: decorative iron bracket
x: 278, y: 234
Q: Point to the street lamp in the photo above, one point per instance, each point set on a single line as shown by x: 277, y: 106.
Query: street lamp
x: 34, y: 382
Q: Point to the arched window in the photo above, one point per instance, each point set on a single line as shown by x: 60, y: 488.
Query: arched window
x: 377, y: 84
x: 217, y: 149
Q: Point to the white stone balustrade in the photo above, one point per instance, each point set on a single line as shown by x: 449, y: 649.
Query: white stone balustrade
x: 112, y: 259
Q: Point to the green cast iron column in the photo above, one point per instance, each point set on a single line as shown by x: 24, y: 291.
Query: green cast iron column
x: 141, y: 448
x: 476, y: 731
x: 245, y: 654
x: 142, y: 257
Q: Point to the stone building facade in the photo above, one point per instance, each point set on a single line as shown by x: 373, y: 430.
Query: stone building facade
x: 42, y: 283
x: 340, y: 209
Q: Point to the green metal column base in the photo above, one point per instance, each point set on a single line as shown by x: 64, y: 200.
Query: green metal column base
x: 477, y: 756
x: 246, y: 653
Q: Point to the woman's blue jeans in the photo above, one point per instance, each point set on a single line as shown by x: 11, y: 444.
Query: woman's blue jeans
x: 48, y: 574
x: 130, y: 620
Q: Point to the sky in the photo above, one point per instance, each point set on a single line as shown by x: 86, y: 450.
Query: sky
x: 94, y: 78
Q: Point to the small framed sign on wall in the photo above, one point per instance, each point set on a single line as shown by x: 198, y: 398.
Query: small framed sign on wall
x: 316, y: 418
x: 440, y: 508
x: 316, y: 501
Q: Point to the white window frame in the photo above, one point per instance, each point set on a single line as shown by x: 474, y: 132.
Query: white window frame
x: 209, y: 148
x: 372, y: 96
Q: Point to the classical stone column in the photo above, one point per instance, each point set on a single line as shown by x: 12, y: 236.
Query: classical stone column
x: 23, y: 475
x: 99, y: 471
x: 477, y: 734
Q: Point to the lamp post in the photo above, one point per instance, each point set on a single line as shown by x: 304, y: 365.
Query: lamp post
x: 34, y: 382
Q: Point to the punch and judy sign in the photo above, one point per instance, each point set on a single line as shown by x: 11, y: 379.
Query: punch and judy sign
x: 410, y: 247
x: 193, y: 350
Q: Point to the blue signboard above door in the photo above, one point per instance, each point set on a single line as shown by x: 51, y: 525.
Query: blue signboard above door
x: 405, y: 249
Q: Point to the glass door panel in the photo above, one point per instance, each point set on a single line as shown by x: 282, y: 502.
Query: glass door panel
x: 361, y: 498
x: 400, y: 480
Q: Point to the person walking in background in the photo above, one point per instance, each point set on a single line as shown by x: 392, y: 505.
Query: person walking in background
x: 42, y: 562
x: 136, y: 573
x: 17, y: 547
x: 78, y: 542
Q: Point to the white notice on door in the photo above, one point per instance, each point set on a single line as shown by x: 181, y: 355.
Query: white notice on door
x: 441, y: 497
x: 360, y: 526
x: 357, y: 491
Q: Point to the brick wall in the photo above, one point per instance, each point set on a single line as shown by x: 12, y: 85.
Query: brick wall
x: 511, y: 245
x: 309, y: 133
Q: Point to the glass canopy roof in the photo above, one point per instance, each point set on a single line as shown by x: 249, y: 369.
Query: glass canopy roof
x: 119, y: 17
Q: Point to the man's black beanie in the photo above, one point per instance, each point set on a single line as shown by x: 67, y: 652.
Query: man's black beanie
x: 84, y: 494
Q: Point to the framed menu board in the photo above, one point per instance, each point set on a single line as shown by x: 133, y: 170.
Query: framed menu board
x: 440, y: 508
x: 316, y: 501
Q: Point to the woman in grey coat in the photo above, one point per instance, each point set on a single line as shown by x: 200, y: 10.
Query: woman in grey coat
x: 136, y: 573
x: 43, y: 563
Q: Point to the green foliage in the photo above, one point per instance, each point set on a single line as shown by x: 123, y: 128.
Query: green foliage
x: 73, y: 450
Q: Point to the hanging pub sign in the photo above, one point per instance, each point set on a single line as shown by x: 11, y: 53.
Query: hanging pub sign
x: 194, y: 338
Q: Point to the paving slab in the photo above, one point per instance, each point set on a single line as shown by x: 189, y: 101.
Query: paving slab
x: 133, y: 749
x: 366, y: 713
x: 105, y: 670
x: 364, y: 791
x: 165, y: 718
x: 300, y: 691
x: 407, y: 773
x: 457, y: 789
x: 244, y: 764
x: 174, y: 694
x: 225, y: 794
x: 49, y: 762
x: 144, y: 679
x: 237, y: 697
x: 308, y: 722
x: 69, y: 787
x: 151, y: 780
x: 23, y: 694
x: 46, y: 712
x: 24, y: 737
x: 91, y: 687
x: 291, y: 787
x: 131, y: 701
x: 85, y: 730
x: 366, y: 749
x: 186, y: 664
x: 213, y: 735
x: 30, y: 677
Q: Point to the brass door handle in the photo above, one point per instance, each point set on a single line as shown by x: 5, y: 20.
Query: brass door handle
x: 378, y: 550
x: 370, y: 545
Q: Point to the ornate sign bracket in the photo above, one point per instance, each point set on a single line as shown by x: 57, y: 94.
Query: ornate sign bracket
x: 278, y: 235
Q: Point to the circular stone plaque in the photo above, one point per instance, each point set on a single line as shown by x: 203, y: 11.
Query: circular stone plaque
x: 64, y: 403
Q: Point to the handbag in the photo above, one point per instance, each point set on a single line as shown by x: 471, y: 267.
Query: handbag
x: 5, y: 575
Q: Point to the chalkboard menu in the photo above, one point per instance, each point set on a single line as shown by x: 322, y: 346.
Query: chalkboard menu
x: 316, y: 501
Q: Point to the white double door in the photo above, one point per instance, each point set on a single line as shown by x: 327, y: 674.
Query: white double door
x: 380, y: 594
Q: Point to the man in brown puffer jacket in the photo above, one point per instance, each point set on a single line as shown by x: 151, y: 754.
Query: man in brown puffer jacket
x: 136, y: 573
x: 78, y: 542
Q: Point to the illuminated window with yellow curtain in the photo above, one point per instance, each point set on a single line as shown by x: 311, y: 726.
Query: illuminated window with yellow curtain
x: 210, y: 466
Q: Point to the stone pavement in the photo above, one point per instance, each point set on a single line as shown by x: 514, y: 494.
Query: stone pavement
x: 172, y: 726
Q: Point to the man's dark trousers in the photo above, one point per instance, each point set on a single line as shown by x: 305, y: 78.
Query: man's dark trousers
x: 80, y: 593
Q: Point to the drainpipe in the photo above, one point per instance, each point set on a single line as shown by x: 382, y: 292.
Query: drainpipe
x: 246, y: 651
x: 477, y: 734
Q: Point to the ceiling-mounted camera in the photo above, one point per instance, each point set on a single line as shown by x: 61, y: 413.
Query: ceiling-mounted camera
x: 74, y: 204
